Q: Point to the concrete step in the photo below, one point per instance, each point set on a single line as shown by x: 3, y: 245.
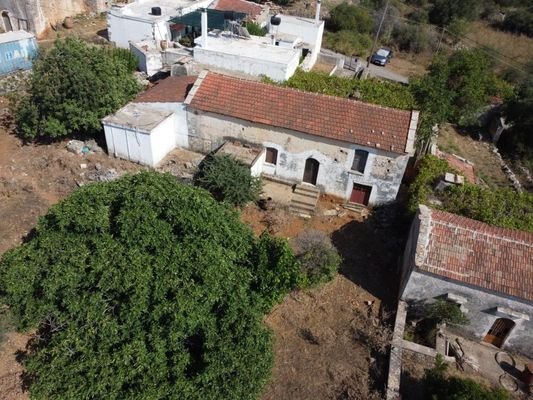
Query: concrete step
x: 360, y: 209
x: 304, y: 200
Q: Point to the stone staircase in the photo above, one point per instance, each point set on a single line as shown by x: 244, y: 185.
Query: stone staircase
x: 304, y: 199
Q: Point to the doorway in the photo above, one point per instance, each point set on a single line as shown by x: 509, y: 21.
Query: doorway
x: 7, y: 21
x: 499, y: 332
x: 360, y: 194
x: 311, y: 171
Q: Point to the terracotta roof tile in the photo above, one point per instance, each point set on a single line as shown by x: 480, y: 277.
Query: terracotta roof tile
x: 170, y: 90
x: 475, y: 253
x: 316, y: 114
x: 246, y: 7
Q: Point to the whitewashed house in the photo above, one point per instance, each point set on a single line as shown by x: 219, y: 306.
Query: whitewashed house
x: 147, y: 129
x: 146, y: 19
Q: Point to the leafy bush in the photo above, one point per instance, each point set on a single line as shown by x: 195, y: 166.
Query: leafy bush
x: 443, y: 12
x: 388, y: 94
x: 411, y: 38
x: 123, y: 56
x: 227, y: 179
x: 142, y: 288
x: 255, y: 29
x: 519, y: 22
x: 445, y: 311
x: 441, y: 387
x: 73, y: 86
x: 347, y: 16
x: 430, y: 170
x: 275, y: 270
x: 348, y: 42
x: 319, y: 259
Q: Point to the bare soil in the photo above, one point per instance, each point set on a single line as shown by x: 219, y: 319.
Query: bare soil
x: 90, y: 27
x: 486, y: 164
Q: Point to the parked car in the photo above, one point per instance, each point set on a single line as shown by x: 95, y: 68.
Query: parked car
x: 381, y: 57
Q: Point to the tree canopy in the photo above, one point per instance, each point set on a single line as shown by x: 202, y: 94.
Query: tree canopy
x: 144, y: 288
x: 72, y: 87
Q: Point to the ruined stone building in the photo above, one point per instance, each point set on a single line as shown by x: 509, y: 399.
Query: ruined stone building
x: 36, y: 16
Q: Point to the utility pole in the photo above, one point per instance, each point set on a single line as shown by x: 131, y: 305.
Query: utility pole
x: 377, y: 33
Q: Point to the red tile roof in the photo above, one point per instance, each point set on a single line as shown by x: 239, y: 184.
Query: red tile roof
x: 246, y: 7
x: 316, y: 114
x: 170, y: 90
x: 478, y: 254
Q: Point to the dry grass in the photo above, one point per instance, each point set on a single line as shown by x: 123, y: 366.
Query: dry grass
x: 516, y: 49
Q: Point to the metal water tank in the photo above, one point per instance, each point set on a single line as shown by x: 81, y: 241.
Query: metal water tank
x: 156, y: 10
x: 275, y: 20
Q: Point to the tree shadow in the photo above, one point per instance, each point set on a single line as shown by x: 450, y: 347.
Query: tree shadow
x: 103, y: 34
x: 371, y: 251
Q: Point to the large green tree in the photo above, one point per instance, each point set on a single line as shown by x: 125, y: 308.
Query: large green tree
x: 72, y: 87
x: 145, y: 288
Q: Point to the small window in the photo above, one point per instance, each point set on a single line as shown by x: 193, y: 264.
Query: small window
x: 271, y: 155
x: 359, y: 160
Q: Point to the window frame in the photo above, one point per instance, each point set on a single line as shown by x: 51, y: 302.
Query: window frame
x: 360, y: 156
x: 275, y: 153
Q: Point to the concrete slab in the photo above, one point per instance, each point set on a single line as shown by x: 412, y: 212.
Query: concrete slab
x: 277, y: 191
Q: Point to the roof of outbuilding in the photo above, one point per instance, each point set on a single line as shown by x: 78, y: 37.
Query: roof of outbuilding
x: 316, y: 114
x: 173, y: 89
x: 243, y: 6
x: 476, y: 253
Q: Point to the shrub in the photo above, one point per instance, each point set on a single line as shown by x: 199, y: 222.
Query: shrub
x: 519, y: 22
x: 73, y: 86
x: 411, y: 38
x: 255, y: 29
x: 430, y: 170
x: 349, y: 17
x: 319, y: 259
x: 445, y: 311
x: 142, y: 288
x: 227, y: 179
x: 443, y: 12
x: 348, y: 42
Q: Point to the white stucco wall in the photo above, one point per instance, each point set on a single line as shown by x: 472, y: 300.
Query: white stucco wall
x: 306, y: 29
x: 277, y: 71
x: 125, y: 29
x: 383, y: 172
x: 257, y: 167
x: 149, y: 62
x: 179, y: 127
x: 143, y: 147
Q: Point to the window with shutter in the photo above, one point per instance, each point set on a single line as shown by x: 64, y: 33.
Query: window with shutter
x: 359, y: 160
x: 271, y: 155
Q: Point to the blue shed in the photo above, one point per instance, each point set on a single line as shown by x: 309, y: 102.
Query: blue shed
x: 17, y: 51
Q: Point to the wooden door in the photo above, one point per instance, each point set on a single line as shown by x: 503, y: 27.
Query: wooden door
x: 311, y: 171
x: 360, y: 194
x: 499, y: 332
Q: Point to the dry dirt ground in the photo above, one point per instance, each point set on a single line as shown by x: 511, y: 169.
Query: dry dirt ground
x: 486, y: 163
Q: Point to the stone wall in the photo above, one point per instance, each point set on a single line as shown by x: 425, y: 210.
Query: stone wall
x: 37, y: 15
x: 383, y: 172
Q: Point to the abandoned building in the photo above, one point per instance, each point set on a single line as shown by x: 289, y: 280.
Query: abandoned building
x: 485, y: 270
x: 37, y: 16
x: 346, y: 148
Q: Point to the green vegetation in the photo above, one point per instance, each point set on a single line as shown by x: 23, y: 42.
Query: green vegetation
x: 445, y: 311
x: 349, y: 30
x: 444, y: 12
x: 72, y: 87
x: 439, y: 386
x: 144, y: 288
x: 503, y: 207
x: 519, y: 22
x: 388, y: 94
x: 319, y: 259
x: 228, y: 179
x: 255, y: 29
x: 519, y: 110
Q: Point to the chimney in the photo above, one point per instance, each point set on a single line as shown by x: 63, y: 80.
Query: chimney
x: 204, y: 28
x: 317, y: 15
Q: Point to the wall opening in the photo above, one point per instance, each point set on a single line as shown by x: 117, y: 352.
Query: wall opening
x: 311, y: 171
x: 499, y: 332
x: 6, y: 21
x: 271, y: 155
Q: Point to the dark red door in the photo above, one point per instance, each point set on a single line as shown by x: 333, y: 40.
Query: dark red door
x: 360, y: 194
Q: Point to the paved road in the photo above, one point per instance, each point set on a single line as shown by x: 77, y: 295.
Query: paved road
x: 386, y: 73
